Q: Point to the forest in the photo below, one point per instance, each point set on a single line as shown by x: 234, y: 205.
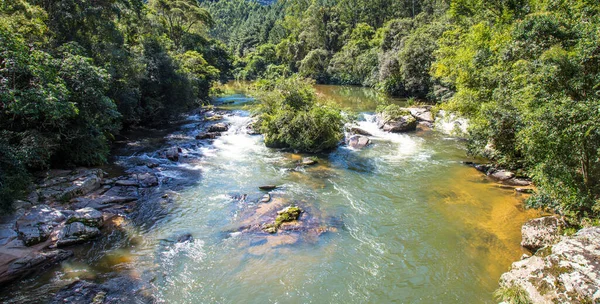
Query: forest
x: 525, y: 72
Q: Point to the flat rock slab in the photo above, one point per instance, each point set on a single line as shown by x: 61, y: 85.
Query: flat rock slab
x: 33, y: 262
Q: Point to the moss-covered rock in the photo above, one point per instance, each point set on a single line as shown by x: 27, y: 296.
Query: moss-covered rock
x: 286, y: 215
x: 393, y: 118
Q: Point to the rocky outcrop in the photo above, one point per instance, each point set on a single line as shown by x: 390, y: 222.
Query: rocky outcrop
x: 172, y: 154
x: 358, y: 142
x: 36, y: 225
x: 566, y: 272
x: 540, y: 232
x: 32, y: 262
x: 399, y: 124
x: 220, y: 127
x: 75, y: 233
x: 64, y: 185
x: 422, y: 114
x: 87, y: 216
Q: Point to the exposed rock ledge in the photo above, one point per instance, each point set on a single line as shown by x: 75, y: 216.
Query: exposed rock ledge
x: 566, y: 272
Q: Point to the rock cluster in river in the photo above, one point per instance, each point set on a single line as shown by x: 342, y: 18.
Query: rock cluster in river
x: 67, y: 207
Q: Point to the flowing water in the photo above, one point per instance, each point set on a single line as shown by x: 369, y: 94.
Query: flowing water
x: 406, y: 222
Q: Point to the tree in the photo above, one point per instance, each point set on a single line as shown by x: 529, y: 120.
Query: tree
x: 181, y: 17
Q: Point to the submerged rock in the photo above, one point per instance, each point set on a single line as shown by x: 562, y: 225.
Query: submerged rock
x: 267, y: 187
x: 540, y: 232
x: 358, y: 141
x: 567, y: 272
x: 307, y: 161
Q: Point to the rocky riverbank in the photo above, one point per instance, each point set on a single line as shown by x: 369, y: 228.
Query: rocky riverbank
x: 563, y: 269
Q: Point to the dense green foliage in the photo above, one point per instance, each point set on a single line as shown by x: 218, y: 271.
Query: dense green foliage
x: 525, y: 72
x: 385, y: 44
x: 72, y: 73
x: 290, y: 116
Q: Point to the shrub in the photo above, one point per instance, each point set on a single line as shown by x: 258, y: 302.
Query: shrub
x: 289, y: 116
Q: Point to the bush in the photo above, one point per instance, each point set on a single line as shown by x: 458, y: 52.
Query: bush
x: 289, y: 116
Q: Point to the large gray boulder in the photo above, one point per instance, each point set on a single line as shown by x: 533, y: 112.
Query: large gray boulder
x: 36, y: 225
x: 567, y: 272
x: 540, y: 232
x: 358, y: 141
x: 422, y: 114
x: 398, y: 124
x: 75, y: 233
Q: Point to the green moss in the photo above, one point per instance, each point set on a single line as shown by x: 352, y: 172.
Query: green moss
x: 288, y: 214
x: 512, y: 294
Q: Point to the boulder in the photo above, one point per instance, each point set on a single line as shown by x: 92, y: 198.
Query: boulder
x: 358, y: 141
x: 75, y: 233
x: 87, y: 216
x: 127, y: 183
x: 147, y: 180
x: 502, y: 175
x: 308, y: 162
x: 220, y: 127
x: 210, y: 135
x: 421, y: 114
x: 397, y: 125
x: 566, y: 272
x: 82, y: 186
x: 359, y: 131
x: 540, y: 232
x: 519, y: 182
x: 172, y: 153
x: 36, y: 225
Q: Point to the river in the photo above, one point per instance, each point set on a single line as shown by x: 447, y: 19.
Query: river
x: 406, y: 222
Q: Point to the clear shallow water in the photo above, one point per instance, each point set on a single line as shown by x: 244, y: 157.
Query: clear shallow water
x: 409, y: 224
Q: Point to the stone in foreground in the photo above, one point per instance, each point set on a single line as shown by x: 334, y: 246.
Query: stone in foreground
x: 567, y: 272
